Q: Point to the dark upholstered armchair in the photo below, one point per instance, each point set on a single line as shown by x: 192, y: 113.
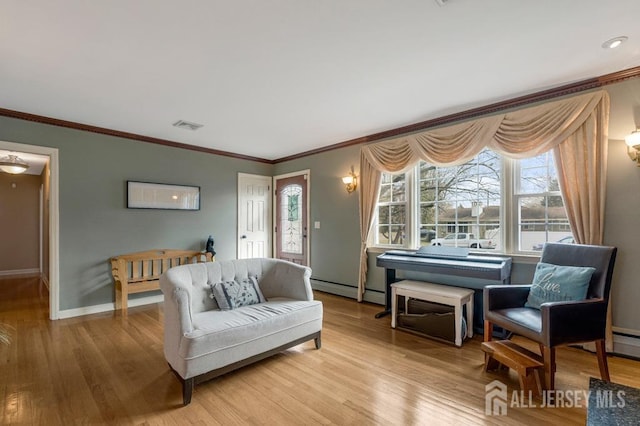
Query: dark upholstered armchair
x: 557, y: 323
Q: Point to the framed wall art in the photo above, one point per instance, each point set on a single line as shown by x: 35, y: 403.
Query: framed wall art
x: 148, y: 195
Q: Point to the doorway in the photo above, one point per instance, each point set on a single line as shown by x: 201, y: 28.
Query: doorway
x: 292, y: 217
x: 53, y: 222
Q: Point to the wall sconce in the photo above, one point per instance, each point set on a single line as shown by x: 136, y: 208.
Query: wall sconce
x: 633, y: 146
x: 351, y: 181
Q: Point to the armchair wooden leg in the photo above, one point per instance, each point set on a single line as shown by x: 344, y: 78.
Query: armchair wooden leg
x: 601, y: 351
x: 542, y: 353
x: 318, y: 341
x: 488, y: 331
x: 549, y: 356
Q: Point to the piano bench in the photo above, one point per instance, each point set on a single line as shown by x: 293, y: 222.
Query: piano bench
x: 437, y: 293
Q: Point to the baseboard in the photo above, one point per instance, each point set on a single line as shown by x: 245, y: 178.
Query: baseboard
x: 106, y: 307
x: 626, y: 342
x: 347, y: 291
x: 374, y: 297
x: 334, y: 288
x: 45, y: 280
x: 20, y: 272
x: 626, y: 331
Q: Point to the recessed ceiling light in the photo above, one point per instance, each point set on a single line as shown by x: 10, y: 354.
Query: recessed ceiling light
x: 614, y: 42
x: 187, y: 125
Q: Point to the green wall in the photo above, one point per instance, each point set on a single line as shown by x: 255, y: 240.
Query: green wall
x: 94, y: 221
x: 334, y: 248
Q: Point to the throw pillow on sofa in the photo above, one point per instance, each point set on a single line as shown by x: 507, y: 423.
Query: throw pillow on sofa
x: 555, y: 283
x: 234, y: 294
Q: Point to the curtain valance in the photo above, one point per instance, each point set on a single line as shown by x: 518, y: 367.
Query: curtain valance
x: 517, y: 134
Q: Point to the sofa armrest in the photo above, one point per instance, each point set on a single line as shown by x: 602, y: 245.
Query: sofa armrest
x: 505, y: 296
x: 176, y: 287
x: 287, y: 279
x: 573, y: 321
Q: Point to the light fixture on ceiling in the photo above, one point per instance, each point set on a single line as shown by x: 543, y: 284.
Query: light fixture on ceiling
x: 13, y: 164
x: 350, y: 181
x: 614, y: 42
x: 633, y: 145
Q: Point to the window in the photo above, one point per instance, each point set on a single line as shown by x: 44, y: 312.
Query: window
x: 489, y: 203
x: 461, y: 199
x: 392, y: 210
x: 541, y: 213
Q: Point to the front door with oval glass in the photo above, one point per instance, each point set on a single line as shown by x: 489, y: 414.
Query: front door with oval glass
x: 291, y: 219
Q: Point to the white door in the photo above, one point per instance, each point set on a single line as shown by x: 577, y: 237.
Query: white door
x: 254, y: 216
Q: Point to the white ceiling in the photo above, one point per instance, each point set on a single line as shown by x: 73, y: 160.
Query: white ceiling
x: 271, y: 79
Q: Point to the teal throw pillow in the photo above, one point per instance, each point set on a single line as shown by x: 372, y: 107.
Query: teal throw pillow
x: 234, y: 294
x: 555, y: 283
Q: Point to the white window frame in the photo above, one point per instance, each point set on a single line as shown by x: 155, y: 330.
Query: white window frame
x: 509, y: 211
x: 410, y: 195
x: 516, y: 195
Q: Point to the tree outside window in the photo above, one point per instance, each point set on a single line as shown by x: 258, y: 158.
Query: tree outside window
x: 392, y: 210
x: 460, y: 199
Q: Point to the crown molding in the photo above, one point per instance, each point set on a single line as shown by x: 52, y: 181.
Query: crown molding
x: 117, y: 133
x: 568, y: 89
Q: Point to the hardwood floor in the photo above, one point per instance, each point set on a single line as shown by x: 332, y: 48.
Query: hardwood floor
x: 109, y: 369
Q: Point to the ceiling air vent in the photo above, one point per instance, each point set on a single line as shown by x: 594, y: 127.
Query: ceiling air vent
x: 187, y: 125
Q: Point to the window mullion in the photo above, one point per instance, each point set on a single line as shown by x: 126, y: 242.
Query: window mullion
x: 510, y: 220
x: 413, y: 206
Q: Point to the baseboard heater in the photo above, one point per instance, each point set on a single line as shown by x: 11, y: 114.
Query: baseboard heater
x: 332, y: 282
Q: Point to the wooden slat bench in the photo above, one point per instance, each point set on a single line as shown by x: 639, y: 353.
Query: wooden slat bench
x: 140, y: 272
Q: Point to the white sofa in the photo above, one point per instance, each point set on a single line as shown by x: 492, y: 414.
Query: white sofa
x: 202, y: 341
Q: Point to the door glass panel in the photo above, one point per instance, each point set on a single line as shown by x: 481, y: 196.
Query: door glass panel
x: 291, y: 219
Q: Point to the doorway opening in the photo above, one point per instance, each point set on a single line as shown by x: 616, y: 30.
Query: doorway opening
x: 49, y: 227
